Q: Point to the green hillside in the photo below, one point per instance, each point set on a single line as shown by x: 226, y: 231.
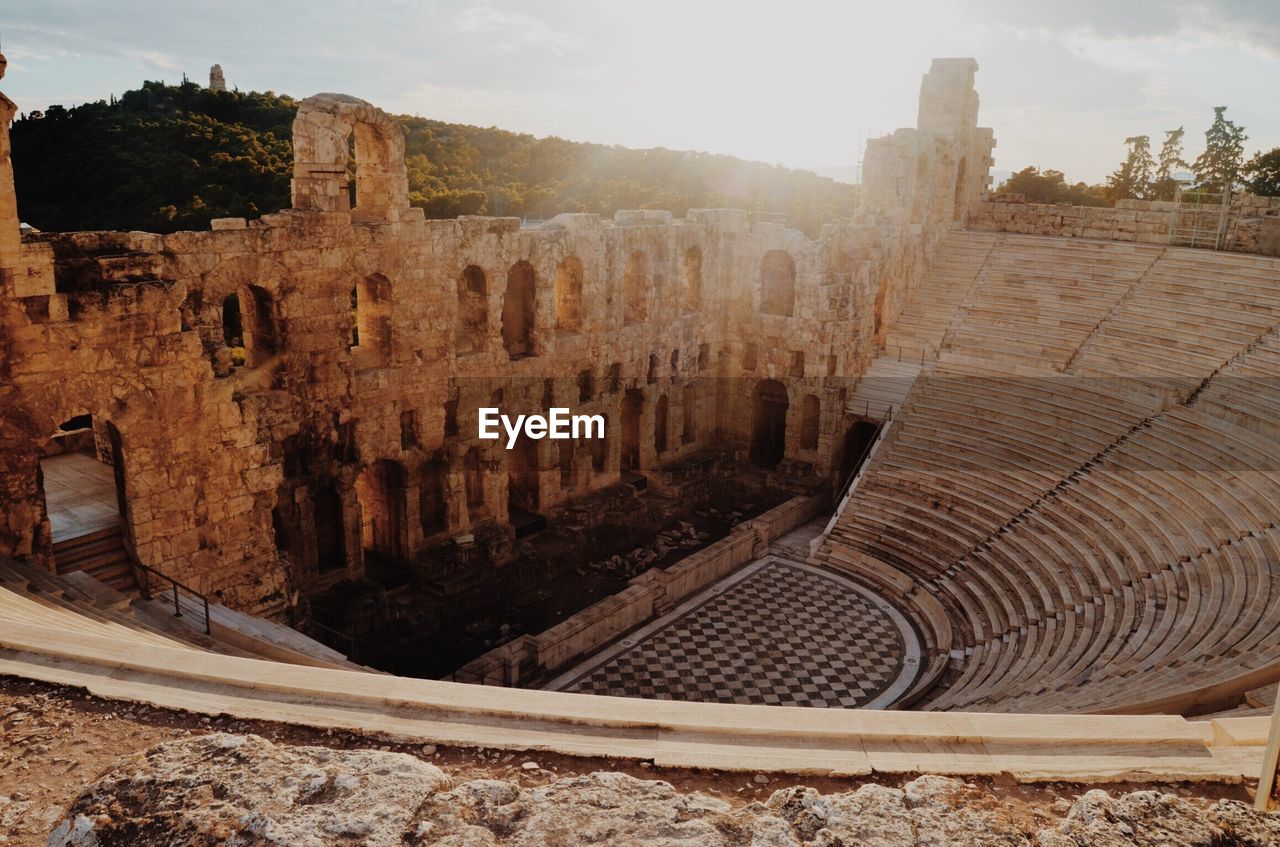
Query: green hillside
x: 165, y: 157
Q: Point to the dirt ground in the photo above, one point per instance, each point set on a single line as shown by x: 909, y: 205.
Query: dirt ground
x: 57, y: 739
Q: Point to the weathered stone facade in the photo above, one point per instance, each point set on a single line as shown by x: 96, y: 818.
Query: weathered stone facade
x: 290, y: 391
x: 1251, y: 225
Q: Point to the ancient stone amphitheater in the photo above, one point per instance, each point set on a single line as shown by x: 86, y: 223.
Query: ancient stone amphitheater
x: 1065, y: 476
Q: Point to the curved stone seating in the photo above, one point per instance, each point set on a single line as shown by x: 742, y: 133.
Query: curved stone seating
x: 1105, y: 538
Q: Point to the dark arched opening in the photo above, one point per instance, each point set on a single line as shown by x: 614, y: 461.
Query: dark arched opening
x: 660, y: 426
x: 632, y: 411
x: 689, y: 413
x: 380, y: 490
x: 522, y: 475
x: 768, y: 423
x: 330, y: 529
x: 517, y: 311
x: 857, y: 443
x: 431, y: 499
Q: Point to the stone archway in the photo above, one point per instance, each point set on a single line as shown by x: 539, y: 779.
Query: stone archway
x: 322, y: 133
x: 768, y: 423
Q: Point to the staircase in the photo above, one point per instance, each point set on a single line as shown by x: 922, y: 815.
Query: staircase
x: 102, y: 555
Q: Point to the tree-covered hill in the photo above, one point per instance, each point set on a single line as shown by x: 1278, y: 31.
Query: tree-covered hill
x: 166, y: 157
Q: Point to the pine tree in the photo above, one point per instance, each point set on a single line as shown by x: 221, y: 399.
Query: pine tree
x: 1170, y: 162
x: 1262, y: 174
x: 1218, y: 167
x: 1133, y: 177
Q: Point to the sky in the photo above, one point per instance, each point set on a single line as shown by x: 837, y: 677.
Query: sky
x: 799, y: 83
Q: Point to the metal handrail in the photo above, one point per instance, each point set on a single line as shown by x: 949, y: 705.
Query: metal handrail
x: 350, y: 639
x: 147, y: 571
x: 870, y: 445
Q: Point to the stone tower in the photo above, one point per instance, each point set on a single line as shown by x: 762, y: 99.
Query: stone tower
x: 9, y: 237
x: 217, y: 82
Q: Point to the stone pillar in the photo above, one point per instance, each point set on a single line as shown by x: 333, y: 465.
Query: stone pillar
x: 10, y: 237
x: 217, y: 82
x: 948, y: 101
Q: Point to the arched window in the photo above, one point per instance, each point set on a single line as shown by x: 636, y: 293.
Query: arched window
x: 261, y: 332
x: 692, y: 267
x: 233, y: 328
x: 472, y: 329
x: 777, y: 283
x: 660, y: 425
x: 810, y: 421
x: 586, y: 386
x: 635, y: 307
x: 517, y: 311
x: 569, y: 295
x: 329, y: 132
x: 371, y: 319
x: 380, y: 489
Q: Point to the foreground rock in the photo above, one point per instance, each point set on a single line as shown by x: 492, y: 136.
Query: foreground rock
x: 237, y: 789
x: 231, y: 789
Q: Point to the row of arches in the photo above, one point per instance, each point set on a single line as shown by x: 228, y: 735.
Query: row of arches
x: 250, y: 320
x: 770, y: 408
x: 518, y: 313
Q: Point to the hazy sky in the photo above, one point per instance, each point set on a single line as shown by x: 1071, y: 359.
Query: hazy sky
x: 798, y: 82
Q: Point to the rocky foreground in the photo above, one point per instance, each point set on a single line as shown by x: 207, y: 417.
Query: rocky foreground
x: 222, y: 789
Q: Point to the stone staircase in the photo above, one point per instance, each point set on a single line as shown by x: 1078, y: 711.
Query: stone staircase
x: 101, y: 555
x: 76, y: 599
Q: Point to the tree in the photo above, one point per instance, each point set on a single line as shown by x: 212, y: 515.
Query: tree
x: 1133, y: 178
x: 1262, y: 174
x: 166, y: 157
x: 1051, y: 186
x: 1218, y: 167
x: 1170, y: 162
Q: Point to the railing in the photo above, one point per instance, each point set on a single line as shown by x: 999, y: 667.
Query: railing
x: 862, y: 457
x: 147, y: 572
x: 861, y: 465
x: 350, y: 640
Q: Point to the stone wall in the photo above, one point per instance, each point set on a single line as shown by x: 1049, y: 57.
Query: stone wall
x: 1252, y: 226
x: 292, y: 391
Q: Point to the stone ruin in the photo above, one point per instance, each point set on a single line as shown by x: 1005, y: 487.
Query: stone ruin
x: 341, y: 416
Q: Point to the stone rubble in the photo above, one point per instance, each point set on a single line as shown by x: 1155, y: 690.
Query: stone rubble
x: 238, y: 789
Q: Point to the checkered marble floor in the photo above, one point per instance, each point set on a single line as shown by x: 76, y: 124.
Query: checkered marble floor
x: 782, y: 634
